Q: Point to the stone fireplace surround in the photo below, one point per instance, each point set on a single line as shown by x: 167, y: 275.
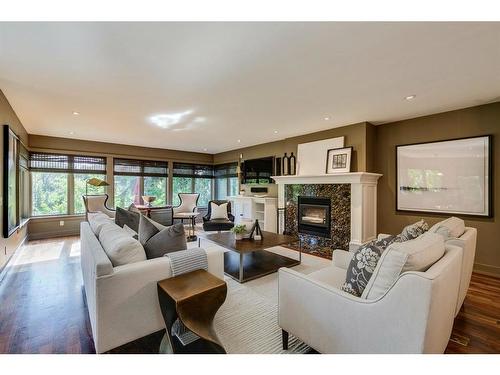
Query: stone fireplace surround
x: 354, y: 195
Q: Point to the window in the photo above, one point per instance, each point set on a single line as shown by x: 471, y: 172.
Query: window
x: 192, y: 178
x: 24, y: 183
x: 226, y: 179
x: 135, y: 178
x: 59, y: 181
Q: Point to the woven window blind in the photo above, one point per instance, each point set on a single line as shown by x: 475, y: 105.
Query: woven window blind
x: 145, y: 168
x: 193, y: 170
x: 44, y: 162
x: 226, y: 170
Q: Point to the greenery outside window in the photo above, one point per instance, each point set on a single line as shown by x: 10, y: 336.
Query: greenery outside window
x: 135, y: 178
x: 58, y: 182
x: 192, y: 178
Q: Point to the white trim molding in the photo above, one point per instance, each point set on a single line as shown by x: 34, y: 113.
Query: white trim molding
x: 363, y: 200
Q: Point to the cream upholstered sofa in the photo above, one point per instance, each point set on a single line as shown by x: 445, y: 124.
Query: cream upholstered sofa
x: 414, y: 315
x: 122, y: 300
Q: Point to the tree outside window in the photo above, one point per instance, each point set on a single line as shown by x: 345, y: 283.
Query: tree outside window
x: 80, y: 188
x: 49, y: 193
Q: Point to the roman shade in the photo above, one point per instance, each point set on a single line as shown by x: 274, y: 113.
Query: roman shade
x: 193, y: 170
x: 45, y: 162
x: 145, y: 168
x: 226, y: 170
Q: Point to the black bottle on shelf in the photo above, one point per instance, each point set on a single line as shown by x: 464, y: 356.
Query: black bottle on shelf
x: 286, y: 165
x: 293, y: 164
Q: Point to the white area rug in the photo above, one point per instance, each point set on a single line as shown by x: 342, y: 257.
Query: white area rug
x: 247, y: 323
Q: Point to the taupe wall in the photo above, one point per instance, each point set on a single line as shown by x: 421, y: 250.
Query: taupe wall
x: 467, y: 122
x: 355, y: 135
x: 8, y: 117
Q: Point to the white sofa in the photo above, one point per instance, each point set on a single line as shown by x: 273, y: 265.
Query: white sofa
x: 415, y: 315
x: 123, y: 300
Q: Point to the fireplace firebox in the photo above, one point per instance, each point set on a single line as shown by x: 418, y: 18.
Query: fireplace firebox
x: 314, y: 215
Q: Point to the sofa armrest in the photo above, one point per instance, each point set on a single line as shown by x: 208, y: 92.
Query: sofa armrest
x: 342, y: 258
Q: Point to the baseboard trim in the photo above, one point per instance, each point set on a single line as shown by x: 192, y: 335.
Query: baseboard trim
x: 53, y: 234
x: 487, y: 269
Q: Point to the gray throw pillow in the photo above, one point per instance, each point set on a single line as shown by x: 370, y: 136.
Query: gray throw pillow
x: 363, y: 264
x: 412, y: 231
x: 158, y: 242
x: 131, y: 219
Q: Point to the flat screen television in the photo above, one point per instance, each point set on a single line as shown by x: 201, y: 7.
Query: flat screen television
x: 258, y: 171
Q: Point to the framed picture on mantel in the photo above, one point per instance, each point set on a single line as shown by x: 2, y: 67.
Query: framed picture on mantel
x: 338, y: 160
x: 447, y: 177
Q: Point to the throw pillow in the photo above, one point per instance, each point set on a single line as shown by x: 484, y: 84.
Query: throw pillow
x: 158, y: 242
x: 97, y: 220
x: 453, y: 227
x: 130, y: 218
x: 415, y: 255
x: 218, y: 211
x: 412, y: 231
x: 363, y: 264
x: 119, y: 246
x: 130, y: 231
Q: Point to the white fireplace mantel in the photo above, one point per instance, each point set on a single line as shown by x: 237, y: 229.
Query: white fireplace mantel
x: 363, y: 200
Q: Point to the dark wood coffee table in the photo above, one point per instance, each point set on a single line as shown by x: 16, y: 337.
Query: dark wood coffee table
x: 194, y: 298
x: 247, y: 259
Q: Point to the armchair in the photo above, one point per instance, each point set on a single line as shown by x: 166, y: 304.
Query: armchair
x: 95, y: 203
x: 210, y: 225
x: 187, y: 207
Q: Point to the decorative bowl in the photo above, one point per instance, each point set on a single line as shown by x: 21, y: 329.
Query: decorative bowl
x: 148, y: 199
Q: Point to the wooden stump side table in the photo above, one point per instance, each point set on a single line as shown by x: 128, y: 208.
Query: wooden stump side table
x: 194, y: 298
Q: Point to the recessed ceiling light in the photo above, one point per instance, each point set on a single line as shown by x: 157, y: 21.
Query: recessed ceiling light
x: 239, y: 141
x: 204, y: 149
x: 327, y: 118
x: 275, y: 132
x: 75, y: 113
x: 410, y: 97
x: 71, y: 133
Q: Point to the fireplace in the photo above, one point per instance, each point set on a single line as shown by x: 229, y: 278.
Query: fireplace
x: 314, y: 215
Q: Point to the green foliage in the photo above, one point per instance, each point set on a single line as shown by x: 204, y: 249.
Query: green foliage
x: 127, y: 190
x: 49, y: 193
x: 239, y: 229
x: 80, y: 181
x: 157, y: 187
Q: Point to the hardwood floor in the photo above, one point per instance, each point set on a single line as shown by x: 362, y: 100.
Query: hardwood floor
x: 42, y: 307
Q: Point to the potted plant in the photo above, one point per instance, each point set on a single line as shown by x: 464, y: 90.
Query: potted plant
x: 239, y: 231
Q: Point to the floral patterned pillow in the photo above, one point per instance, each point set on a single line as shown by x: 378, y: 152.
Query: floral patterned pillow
x: 363, y: 264
x: 365, y: 259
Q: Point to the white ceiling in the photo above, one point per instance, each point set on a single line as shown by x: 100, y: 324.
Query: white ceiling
x: 230, y: 81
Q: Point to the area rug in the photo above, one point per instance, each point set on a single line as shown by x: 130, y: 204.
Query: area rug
x: 247, y: 323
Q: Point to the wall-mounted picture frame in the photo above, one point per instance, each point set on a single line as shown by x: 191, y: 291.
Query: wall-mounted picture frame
x: 338, y: 160
x: 10, y: 181
x: 446, y: 177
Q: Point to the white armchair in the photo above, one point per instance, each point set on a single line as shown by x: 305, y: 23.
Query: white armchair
x: 187, y: 207
x: 95, y: 203
x: 414, y: 316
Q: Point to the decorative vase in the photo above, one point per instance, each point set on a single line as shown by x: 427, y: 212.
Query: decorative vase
x: 248, y: 223
x: 293, y: 164
x: 148, y: 199
x: 286, y: 166
x: 238, y: 236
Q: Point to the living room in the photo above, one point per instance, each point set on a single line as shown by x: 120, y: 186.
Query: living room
x: 168, y: 190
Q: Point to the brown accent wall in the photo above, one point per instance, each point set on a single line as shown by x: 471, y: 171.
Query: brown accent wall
x: 355, y: 135
x: 9, y: 117
x: 467, y: 122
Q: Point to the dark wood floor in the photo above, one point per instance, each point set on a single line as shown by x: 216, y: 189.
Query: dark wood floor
x: 42, y: 308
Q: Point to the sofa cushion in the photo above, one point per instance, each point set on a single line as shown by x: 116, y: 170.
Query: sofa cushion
x: 128, y: 217
x: 453, y: 227
x: 333, y: 276
x: 158, y: 242
x: 120, y: 247
x: 414, y: 255
x: 97, y: 220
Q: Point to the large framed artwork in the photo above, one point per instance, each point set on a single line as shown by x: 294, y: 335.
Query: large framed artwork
x: 10, y: 211
x: 448, y: 177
